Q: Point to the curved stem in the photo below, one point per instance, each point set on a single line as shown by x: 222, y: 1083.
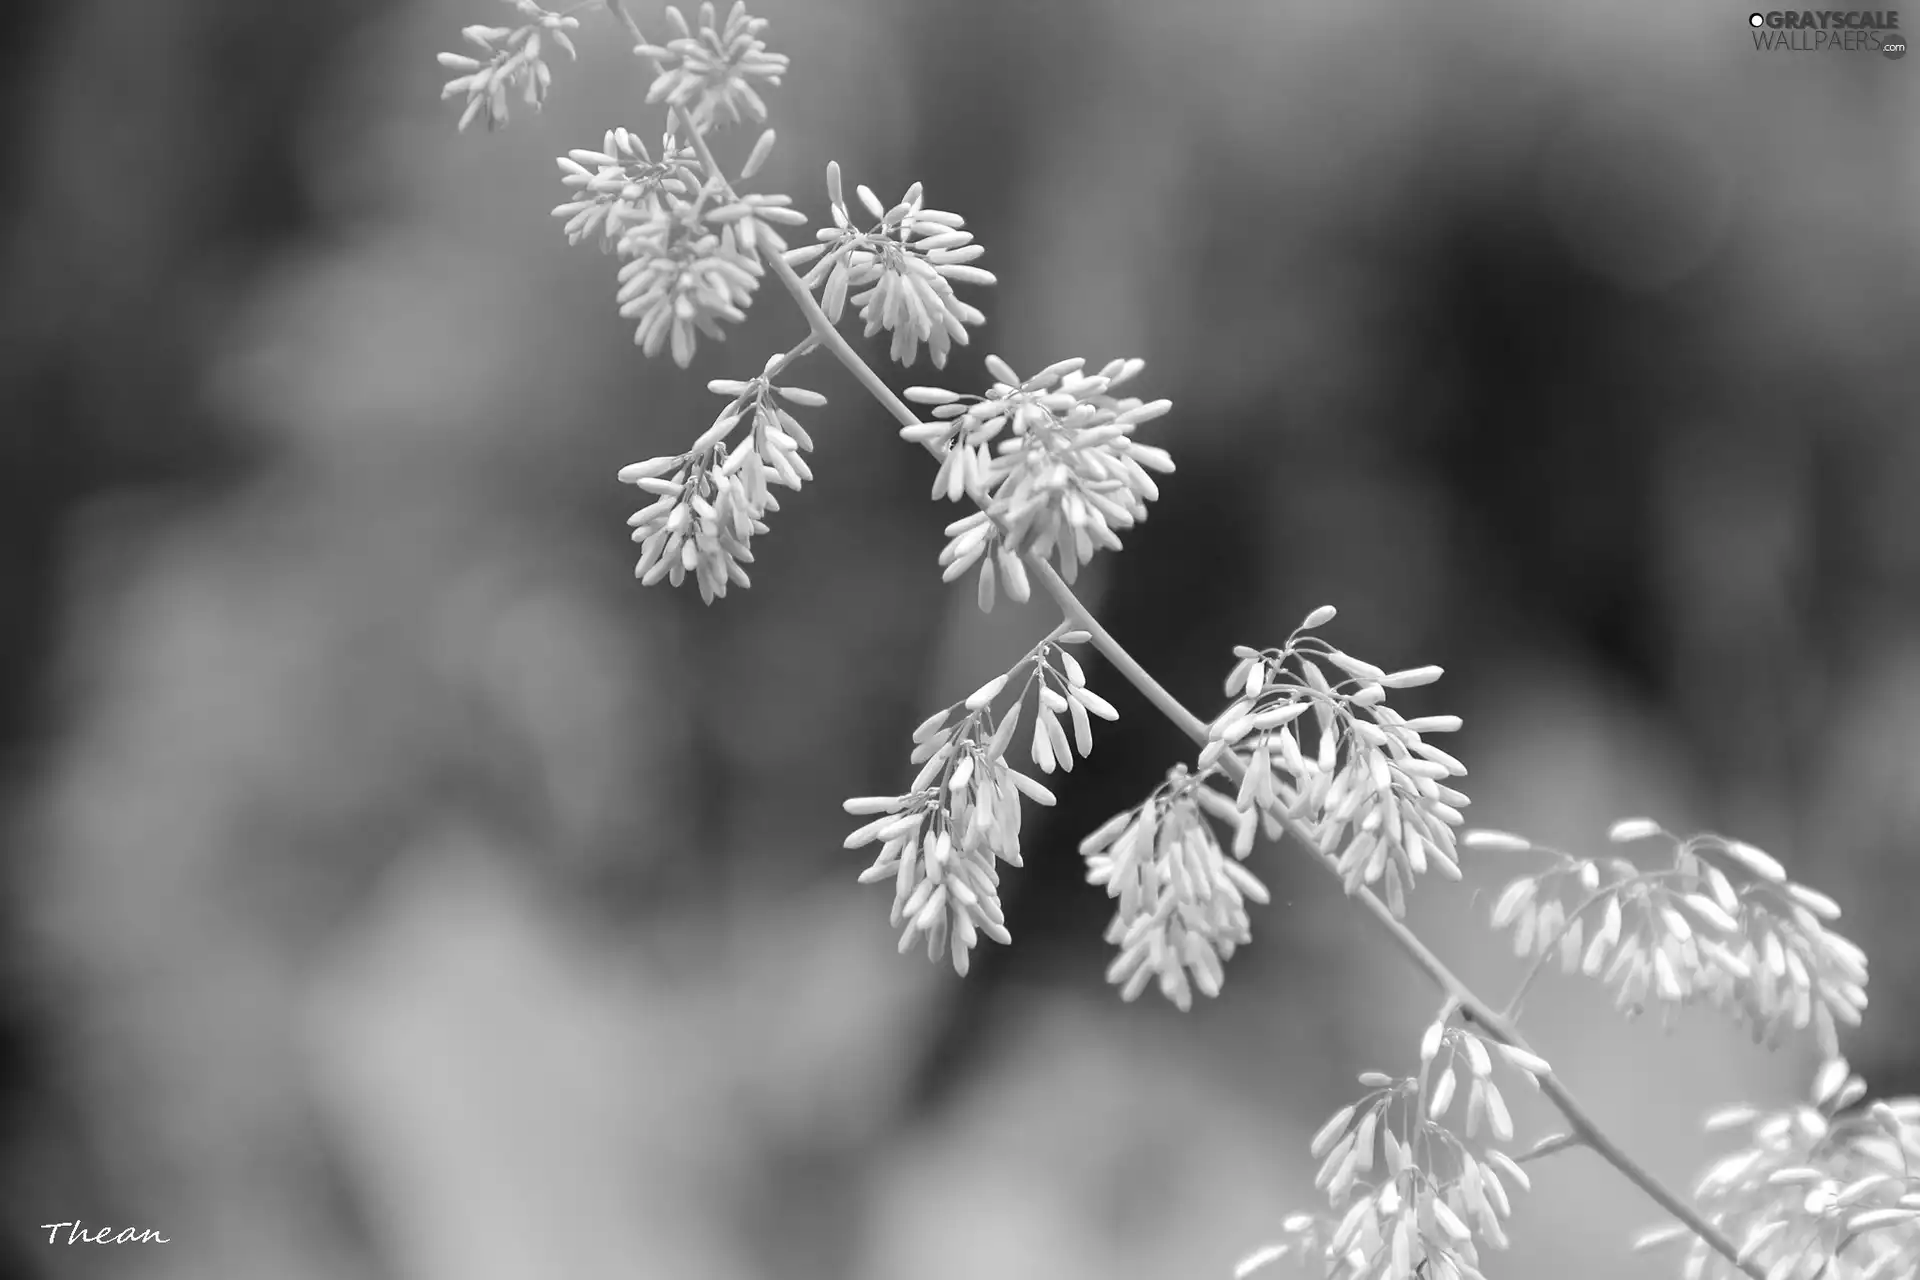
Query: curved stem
x: 1512, y: 1011
x: 1496, y: 1025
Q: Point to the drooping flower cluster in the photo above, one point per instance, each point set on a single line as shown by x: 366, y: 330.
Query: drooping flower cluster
x: 680, y: 279
x: 710, y: 72
x: 1435, y: 1198
x: 1720, y: 924
x: 711, y: 500
x: 974, y: 539
x: 1051, y: 461
x: 513, y: 62
x: 1063, y: 691
x: 1819, y: 1189
x: 898, y: 272
x: 945, y: 835
x: 1373, y: 791
x: 1181, y: 902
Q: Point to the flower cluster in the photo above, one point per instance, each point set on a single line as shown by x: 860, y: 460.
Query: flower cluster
x: 688, y: 266
x: 1373, y: 792
x: 711, y: 500
x: 940, y: 841
x: 975, y: 539
x: 622, y: 186
x: 1051, y: 461
x: 962, y: 814
x: 903, y: 269
x: 1719, y: 924
x: 1434, y: 1196
x: 1062, y: 690
x: 1181, y: 909
x: 1819, y: 1189
x: 692, y: 244
x: 710, y: 73
x: 681, y: 277
x: 513, y: 61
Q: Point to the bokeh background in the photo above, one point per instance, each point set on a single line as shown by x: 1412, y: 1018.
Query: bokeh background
x: 395, y: 890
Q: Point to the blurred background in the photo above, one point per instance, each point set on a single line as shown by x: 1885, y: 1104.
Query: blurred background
x: 395, y: 890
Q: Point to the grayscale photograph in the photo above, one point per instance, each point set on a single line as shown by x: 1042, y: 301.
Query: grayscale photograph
x: 959, y: 640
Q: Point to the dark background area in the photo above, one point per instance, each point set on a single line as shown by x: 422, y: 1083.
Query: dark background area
x: 395, y: 888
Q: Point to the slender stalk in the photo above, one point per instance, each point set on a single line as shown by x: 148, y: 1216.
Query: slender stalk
x: 1497, y: 1026
x: 1547, y: 1146
x: 1512, y: 1011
